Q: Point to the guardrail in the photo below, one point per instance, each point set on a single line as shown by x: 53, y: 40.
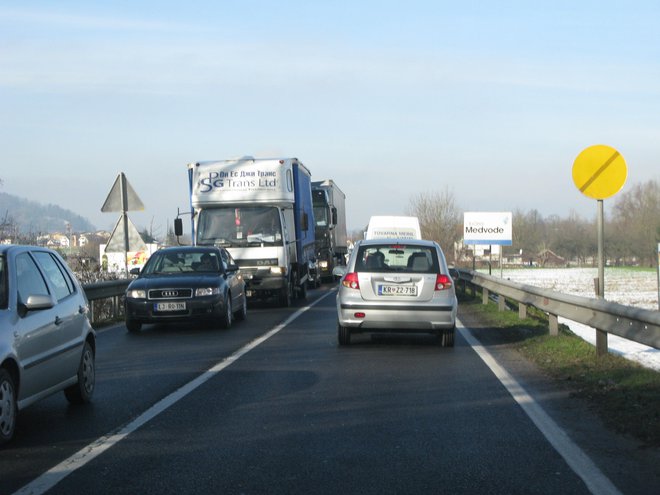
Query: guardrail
x: 99, y: 292
x: 636, y: 324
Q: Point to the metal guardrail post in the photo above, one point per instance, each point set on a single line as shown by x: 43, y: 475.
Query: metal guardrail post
x: 112, y: 290
x: 484, y: 295
x: 553, y: 324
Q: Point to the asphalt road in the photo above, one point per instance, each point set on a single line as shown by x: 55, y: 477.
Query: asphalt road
x: 291, y: 413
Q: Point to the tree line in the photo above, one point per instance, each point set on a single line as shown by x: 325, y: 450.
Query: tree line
x: 632, y: 228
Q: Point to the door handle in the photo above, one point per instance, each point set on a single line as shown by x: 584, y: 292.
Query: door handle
x: 58, y: 320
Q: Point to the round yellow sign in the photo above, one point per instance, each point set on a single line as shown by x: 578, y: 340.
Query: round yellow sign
x: 599, y: 171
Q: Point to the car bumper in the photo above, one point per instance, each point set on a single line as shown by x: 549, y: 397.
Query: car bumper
x: 203, y: 308
x: 395, y: 318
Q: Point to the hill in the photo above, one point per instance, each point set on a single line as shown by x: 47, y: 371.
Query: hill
x: 32, y: 217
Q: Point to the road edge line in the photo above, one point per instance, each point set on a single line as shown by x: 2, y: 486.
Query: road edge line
x: 577, y: 460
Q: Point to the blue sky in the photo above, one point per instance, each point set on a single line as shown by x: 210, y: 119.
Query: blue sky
x: 490, y: 100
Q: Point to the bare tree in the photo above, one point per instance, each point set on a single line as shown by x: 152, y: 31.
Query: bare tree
x: 439, y: 218
x: 529, y: 232
x: 636, y: 219
x: 575, y: 238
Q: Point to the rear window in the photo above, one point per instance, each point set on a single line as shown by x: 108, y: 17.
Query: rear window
x: 397, y: 258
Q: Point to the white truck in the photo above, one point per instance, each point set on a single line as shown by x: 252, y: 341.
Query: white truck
x: 330, y: 217
x: 261, y: 211
x: 393, y: 227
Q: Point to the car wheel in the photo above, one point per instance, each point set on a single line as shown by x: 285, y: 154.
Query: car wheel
x: 447, y: 337
x: 8, y: 408
x: 227, y: 314
x: 133, y: 326
x: 242, y: 314
x: 82, y: 392
x: 343, y: 334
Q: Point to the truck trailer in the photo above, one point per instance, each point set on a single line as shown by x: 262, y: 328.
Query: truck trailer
x: 330, y: 230
x: 260, y: 209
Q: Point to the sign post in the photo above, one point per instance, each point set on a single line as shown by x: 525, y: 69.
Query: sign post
x: 600, y: 172
x: 487, y: 228
x: 123, y: 198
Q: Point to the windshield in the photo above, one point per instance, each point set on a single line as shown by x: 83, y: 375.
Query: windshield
x: 182, y: 261
x: 321, y: 216
x: 248, y: 226
x: 320, y: 204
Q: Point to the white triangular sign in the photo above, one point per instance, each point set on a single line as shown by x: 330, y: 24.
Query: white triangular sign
x: 116, y: 243
x: 117, y: 200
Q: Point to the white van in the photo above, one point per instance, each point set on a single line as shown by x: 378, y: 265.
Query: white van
x: 393, y: 227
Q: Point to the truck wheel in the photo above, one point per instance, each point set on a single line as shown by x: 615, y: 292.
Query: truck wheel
x: 285, y: 295
x: 302, y: 291
x: 8, y: 408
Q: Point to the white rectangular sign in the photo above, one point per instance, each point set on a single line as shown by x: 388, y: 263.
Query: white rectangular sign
x: 487, y: 227
x: 242, y: 181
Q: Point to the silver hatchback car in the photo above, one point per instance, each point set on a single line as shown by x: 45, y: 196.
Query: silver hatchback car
x: 47, y: 343
x: 392, y: 285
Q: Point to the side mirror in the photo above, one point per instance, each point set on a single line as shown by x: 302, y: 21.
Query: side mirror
x: 232, y: 267
x: 305, y: 221
x: 36, y: 302
x: 134, y: 271
x: 334, y: 215
x: 178, y: 227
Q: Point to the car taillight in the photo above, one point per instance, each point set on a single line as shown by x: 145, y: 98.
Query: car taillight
x: 350, y: 280
x: 443, y: 282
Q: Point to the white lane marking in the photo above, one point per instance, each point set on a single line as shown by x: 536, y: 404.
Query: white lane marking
x: 57, y: 473
x: 578, y: 461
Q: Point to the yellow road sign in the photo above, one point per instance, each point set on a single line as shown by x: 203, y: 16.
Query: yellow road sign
x: 599, y: 171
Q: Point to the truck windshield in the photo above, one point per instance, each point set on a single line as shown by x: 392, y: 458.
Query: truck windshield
x: 321, y: 216
x: 247, y: 226
x: 320, y: 204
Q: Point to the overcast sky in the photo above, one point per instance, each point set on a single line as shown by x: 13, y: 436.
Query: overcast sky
x: 490, y: 100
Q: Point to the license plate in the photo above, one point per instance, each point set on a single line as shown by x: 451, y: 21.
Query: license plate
x: 170, y: 306
x: 397, y: 290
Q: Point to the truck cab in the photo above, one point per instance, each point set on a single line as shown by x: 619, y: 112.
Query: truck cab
x: 260, y: 210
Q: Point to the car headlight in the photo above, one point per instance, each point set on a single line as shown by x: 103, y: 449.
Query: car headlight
x: 323, y: 264
x: 136, y: 294
x: 207, y: 291
x: 277, y: 270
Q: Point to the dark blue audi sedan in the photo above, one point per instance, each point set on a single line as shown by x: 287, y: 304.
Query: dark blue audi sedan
x: 187, y: 283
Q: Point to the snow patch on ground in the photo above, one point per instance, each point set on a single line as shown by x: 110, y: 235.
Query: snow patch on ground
x: 629, y: 287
